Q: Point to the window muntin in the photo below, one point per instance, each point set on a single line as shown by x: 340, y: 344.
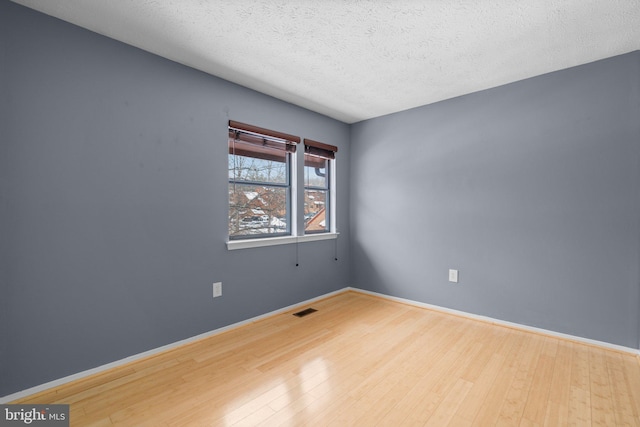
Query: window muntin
x: 259, y: 183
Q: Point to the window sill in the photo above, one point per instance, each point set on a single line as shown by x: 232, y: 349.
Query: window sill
x: 232, y: 245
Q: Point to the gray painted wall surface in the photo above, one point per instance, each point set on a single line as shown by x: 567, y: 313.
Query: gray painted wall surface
x: 531, y: 190
x: 113, y: 203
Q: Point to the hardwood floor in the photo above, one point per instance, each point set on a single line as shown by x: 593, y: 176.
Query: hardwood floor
x: 364, y: 361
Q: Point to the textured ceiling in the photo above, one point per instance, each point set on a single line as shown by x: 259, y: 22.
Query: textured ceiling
x: 354, y: 60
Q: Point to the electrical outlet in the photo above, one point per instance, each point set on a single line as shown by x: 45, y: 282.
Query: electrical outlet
x: 453, y: 276
x: 217, y: 289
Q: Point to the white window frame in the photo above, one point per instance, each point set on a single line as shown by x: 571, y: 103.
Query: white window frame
x: 287, y: 186
x: 296, y: 211
x: 328, y: 200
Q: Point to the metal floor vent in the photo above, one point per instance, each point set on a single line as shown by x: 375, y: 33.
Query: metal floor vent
x: 305, y: 312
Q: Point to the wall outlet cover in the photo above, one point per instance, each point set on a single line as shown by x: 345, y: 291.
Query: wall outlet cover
x: 453, y: 276
x: 217, y: 289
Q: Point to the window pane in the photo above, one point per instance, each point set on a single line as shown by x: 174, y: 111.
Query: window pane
x: 242, y: 168
x: 316, y: 218
x: 257, y: 210
x: 315, y: 171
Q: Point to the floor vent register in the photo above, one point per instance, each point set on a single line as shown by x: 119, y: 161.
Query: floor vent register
x: 305, y: 312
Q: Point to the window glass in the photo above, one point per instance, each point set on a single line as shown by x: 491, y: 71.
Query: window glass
x: 259, y: 186
x: 316, y: 194
x: 315, y: 172
x: 256, y: 210
x: 243, y: 168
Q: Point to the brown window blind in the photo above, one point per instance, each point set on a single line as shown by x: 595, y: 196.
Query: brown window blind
x: 318, y: 152
x: 253, y: 141
x: 320, y: 149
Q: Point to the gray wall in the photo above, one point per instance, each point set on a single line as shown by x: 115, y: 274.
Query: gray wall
x: 531, y: 190
x: 113, y: 203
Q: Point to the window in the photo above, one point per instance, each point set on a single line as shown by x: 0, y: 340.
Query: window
x: 266, y: 181
x: 317, y: 186
x: 259, y: 181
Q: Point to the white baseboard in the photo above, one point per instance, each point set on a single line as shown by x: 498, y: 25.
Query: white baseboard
x: 505, y: 323
x: 121, y: 362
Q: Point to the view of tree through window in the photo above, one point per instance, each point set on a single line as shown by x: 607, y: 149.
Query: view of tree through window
x: 258, y: 195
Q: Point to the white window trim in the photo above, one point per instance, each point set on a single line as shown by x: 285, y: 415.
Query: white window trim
x: 293, y: 209
x: 233, y: 245
x: 296, y: 164
x: 333, y: 197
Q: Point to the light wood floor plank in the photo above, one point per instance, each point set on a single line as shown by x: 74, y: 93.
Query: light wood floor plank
x: 557, y: 411
x: 601, y: 398
x: 363, y: 361
x: 537, y: 399
x: 623, y: 407
x: 496, y: 394
x: 516, y: 399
